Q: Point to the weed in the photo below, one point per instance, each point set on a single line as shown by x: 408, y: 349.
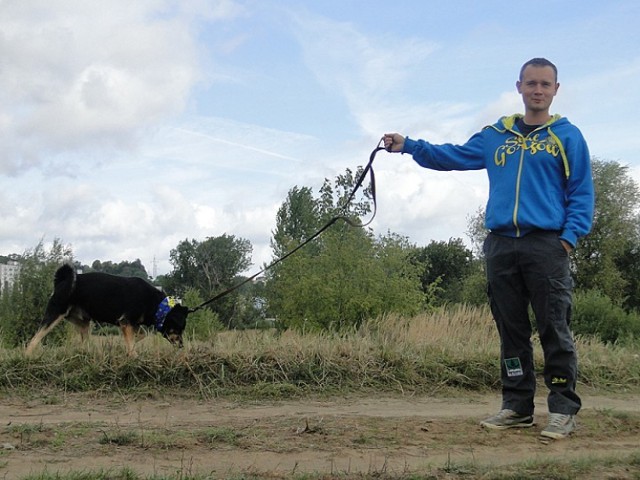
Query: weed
x: 120, y: 438
x: 219, y: 436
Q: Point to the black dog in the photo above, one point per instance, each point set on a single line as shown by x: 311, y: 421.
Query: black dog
x: 128, y: 302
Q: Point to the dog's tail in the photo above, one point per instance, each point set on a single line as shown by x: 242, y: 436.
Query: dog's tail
x: 64, y: 282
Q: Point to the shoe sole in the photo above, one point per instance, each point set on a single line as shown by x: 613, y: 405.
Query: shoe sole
x: 554, y: 435
x: 558, y: 435
x: 506, y: 427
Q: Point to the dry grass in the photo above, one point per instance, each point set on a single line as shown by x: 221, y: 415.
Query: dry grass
x: 454, y: 348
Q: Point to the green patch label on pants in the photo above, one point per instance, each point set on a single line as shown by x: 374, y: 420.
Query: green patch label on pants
x: 514, y: 367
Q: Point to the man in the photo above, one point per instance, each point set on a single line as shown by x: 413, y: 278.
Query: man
x: 540, y: 203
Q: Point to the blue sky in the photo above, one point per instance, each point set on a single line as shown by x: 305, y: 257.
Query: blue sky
x: 127, y: 127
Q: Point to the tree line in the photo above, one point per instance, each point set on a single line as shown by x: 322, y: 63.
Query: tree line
x: 349, y: 275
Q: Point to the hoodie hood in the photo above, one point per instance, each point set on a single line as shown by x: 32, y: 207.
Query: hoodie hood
x: 508, y: 122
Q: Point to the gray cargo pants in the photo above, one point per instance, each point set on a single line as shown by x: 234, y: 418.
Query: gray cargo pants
x: 533, y: 269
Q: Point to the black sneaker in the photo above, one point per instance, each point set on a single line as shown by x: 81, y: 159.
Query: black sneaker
x: 506, y: 418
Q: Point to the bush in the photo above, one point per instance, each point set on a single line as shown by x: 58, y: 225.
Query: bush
x: 23, y: 305
x: 474, y: 289
x: 596, y: 314
x: 203, y: 324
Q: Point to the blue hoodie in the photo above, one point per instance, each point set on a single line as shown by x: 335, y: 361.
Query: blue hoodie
x: 539, y: 182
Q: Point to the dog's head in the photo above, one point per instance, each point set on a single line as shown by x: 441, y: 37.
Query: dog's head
x: 171, y: 320
x: 175, y: 324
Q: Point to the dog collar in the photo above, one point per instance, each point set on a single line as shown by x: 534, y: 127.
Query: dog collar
x: 163, y: 310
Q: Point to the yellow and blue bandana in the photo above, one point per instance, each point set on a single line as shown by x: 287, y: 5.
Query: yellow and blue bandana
x: 163, y: 310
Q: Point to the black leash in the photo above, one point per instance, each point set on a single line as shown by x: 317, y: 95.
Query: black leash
x: 368, y: 169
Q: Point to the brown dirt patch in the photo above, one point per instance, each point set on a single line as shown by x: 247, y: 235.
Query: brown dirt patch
x: 393, y: 435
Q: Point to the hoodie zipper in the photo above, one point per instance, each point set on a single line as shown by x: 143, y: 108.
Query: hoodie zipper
x: 519, y: 178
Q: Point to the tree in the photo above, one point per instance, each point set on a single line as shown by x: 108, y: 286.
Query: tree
x: 446, y: 264
x: 606, y: 259
x: 124, y: 268
x: 210, y: 266
x: 629, y: 265
x: 296, y: 220
x: 344, y: 276
x: 336, y: 199
x: 477, y: 232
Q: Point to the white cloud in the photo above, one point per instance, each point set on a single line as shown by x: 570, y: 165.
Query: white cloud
x: 77, y: 74
x: 364, y: 69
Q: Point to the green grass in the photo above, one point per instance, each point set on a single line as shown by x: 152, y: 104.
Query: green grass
x: 223, y: 435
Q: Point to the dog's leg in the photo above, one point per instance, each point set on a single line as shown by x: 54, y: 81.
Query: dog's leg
x: 139, y: 333
x: 81, y: 322
x: 128, y: 332
x: 40, y: 334
x: 84, y: 331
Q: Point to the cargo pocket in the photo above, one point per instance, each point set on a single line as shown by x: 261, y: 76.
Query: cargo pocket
x: 559, y: 309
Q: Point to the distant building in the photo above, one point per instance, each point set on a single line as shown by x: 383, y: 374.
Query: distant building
x: 8, y: 273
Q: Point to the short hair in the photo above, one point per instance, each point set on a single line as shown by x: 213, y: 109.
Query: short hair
x: 539, y: 62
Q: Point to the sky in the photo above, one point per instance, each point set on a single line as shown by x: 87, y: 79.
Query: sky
x: 128, y: 127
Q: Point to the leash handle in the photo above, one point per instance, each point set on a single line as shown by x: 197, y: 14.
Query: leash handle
x: 372, y: 182
x: 343, y: 217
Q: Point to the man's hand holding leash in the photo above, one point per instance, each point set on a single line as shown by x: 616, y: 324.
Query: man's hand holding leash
x: 393, y: 142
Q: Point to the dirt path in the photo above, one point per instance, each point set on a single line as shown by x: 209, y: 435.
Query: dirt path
x: 373, y: 434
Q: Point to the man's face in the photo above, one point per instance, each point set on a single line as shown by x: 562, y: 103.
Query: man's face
x: 538, y: 86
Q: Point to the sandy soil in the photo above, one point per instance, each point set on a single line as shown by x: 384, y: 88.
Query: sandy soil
x: 393, y: 435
